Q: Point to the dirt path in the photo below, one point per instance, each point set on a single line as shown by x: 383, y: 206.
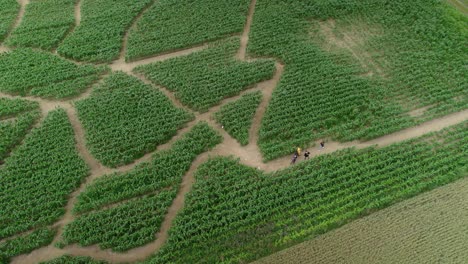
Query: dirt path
x: 120, y: 63
x: 19, y: 18
x: 249, y: 155
x: 4, y: 49
x: 267, y: 89
x: 429, y: 228
x: 78, y: 13
x: 245, y: 34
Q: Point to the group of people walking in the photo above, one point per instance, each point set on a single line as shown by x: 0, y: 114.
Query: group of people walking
x: 297, y: 153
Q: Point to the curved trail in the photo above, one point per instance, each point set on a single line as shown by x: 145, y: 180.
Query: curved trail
x: 77, y: 13
x: 245, y: 34
x: 249, y: 155
x: 19, y: 18
x: 120, y: 62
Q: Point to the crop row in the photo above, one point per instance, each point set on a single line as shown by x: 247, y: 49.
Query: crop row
x: 236, y: 214
x: 123, y: 227
x: 170, y: 25
x: 25, y: 243
x: 125, y: 119
x: 25, y: 71
x: 44, y: 25
x: 236, y: 117
x: 38, y: 176
x: 100, y: 34
x: 165, y: 170
x: 8, y: 12
x: 11, y: 107
x: 321, y: 93
x: 201, y: 80
x: 67, y: 259
x: 16, y: 118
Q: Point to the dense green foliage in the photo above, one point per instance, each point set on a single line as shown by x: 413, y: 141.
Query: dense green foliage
x: 201, y: 80
x: 235, y: 213
x: 11, y: 107
x: 74, y: 260
x: 26, y: 243
x: 175, y: 24
x: 8, y: 12
x: 16, y: 118
x: 44, y: 25
x: 38, y: 176
x: 420, y: 46
x: 99, y: 36
x: 165, y: 170
x: 123, y: 227
x: 25, y: 71
x: 236, y: 117
x: 125, y: 119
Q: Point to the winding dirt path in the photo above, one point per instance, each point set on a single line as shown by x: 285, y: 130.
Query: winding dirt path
x: 245, y: 34
x: 19, y: 18
x: 249, y: 155
x: 120, y: 62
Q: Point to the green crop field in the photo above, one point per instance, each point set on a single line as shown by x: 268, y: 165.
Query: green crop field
x: 44, y: 25
x: 169, y: 131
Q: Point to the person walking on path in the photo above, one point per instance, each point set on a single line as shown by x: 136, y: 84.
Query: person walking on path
x: 306, y: 155
x: 322, y: 144
x: 294, y: 158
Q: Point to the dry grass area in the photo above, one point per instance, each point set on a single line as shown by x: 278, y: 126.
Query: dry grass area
x: 461, y: 5
x: 429, y: 228
x: 352, y: 38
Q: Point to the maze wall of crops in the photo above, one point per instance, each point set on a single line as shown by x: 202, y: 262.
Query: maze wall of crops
x: 175, y: 24
x: 125, y: 119
x: 8, y: 12
x: 236, y: 213
x: 44, y: 24
x: 74, y: 260
x: 417, y: 46
x: 29, y: 72
x: 38, y: 176
x: 134, y: 222
x: 100, y: 34
x: 16, y: 118
x: 201, y: 80
x: 236, y: 117
x: 123, y: 227
x: 25, y: 243
x: 165, y: 170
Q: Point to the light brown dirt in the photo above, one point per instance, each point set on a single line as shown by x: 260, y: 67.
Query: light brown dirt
x: 19, y: 18
x: 245, y: 34
x: 4, y: 49
x: 123, y: 50
x: 429, y: 228
x: 419, y: 112
x: 121, y: 65
x: 249, y: 155
x: 78, y: 13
